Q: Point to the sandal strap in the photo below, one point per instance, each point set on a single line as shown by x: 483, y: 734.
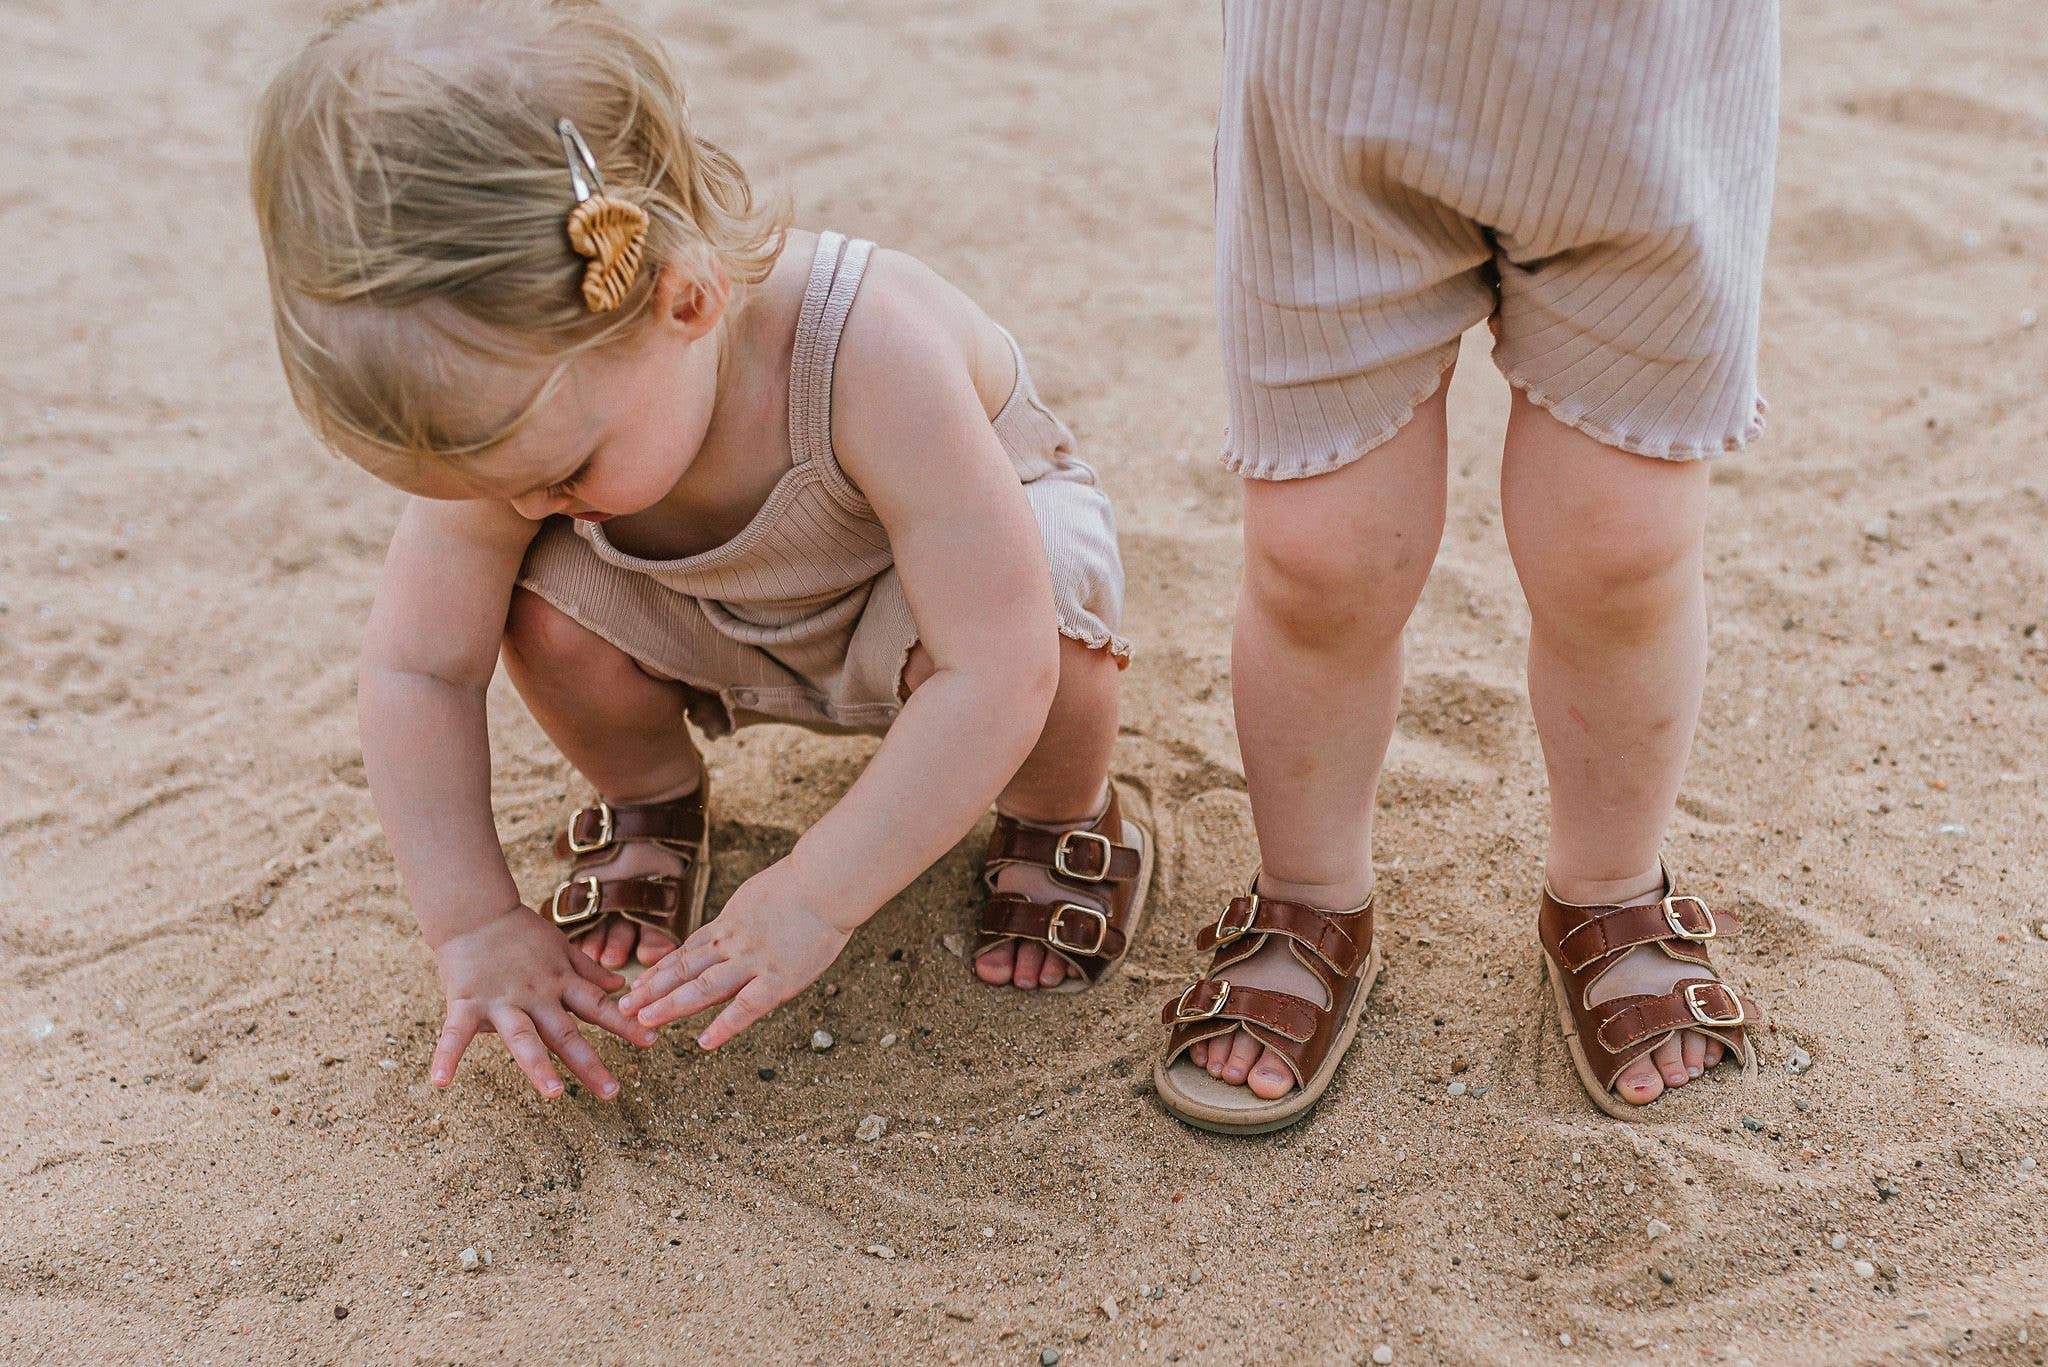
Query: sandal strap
x: 1583, y: 942
x: 1694, y: 1003
x: 1608, y: 930
x: 1079, y: 858
x: 1214, y: 999
x: 1329, y: 935
x: 1080, y: 932
x: 579, y: 904
x: 677, y: 823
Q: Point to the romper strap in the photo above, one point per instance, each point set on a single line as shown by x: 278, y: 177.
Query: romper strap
x: 836, y: 272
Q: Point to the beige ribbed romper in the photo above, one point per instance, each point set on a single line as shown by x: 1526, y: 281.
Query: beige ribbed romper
x: 801, y: 617
x: 1594, y: 175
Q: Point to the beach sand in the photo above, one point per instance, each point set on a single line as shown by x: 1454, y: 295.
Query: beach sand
x: 218, y: 1143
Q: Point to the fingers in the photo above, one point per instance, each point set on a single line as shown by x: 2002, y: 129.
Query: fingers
x: 516, y: 1028
x: 593, y: 971
x: 753, y: 1001
x: 590, y: 1003
x: 456, y: 1033
x: 708, y: 988
x: 560, y: 1034
x: 679, y: 967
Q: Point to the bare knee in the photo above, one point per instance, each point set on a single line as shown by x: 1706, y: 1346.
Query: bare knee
x: 1617, y: 572
x: 1357, y: 587
x: 540, y: 637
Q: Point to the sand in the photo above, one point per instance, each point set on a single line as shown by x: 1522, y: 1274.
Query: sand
x: 217, y: 1142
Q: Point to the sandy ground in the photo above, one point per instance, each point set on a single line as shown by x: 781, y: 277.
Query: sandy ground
x: 217, y: 1142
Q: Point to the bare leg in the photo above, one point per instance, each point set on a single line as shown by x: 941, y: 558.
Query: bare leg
x: 1608, y: 546
x: 1334, y: 565
x: 1063, y: 782
x: 622, y: 728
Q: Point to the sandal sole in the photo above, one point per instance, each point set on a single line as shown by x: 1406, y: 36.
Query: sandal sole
x: 1265, y: 1116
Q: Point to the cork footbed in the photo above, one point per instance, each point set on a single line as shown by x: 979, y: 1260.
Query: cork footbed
x: 1189, y: 1093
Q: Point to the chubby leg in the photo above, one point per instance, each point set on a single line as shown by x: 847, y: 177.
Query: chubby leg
x: 1334, y: 565
x: 622, y: 728
x: 1608, y: 546
x: 1063, y: 782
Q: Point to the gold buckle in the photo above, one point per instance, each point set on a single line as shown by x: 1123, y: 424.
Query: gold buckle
x: 1225, y: 932
x: 593, y: 896
x: 1703, y: 1016
x: 1180, y: 1008
x: 1059, y: 915
x: 1059, y: 855
x: 1685, y: 932
x: 604, y: 829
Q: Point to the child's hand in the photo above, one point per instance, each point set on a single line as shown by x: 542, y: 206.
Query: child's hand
x: 769, y: 943
x: 520, y: 977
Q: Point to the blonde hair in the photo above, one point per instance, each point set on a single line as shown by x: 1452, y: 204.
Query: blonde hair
x: 413, y: 198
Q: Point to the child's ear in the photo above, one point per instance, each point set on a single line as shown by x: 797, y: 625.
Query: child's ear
x: 694, y: 301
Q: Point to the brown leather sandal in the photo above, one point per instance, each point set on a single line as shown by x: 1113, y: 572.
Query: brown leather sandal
x: 673, y: 905
x: 1110, y: 860
x: 1580, y: 943
x: 1336, y: 946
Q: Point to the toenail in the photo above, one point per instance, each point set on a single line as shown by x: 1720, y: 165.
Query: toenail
x: 1692, y: 1072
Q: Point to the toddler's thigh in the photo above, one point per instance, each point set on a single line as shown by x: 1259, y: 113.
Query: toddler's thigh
x: 1631, y: 282
x: 1341, y: 288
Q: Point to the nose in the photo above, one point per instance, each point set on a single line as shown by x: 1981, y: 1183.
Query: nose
x: 535, y: 506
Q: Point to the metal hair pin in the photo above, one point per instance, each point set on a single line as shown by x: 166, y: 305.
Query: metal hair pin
x: 610, y: 231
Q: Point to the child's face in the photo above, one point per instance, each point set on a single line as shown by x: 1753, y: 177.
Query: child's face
x: 614, y: 438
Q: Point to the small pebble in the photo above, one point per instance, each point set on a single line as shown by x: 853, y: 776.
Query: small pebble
x: 1383, y: 1354
x: 882, y: 1251
x: 2027, y: 1162
x: 471, y: 1260
x: 1667, y: 1276
x: 889, y: 1040
x: 1954, y: 828
x: 1108, y: 1307
x: 765, y: 1074
x: 1863, y: 1268
x: 871, y: 1128
x: 1050, y: 1357
x: 821, y: 1040
x: 1752, y: 1124
x: 341, y: 1312
x: 1798, y: 1062
x: 1838, y: 1242
x: 1657, y: 1229
x: 1800, y: 1103
x: 1457, y: 1089
x: 1564, y: 1340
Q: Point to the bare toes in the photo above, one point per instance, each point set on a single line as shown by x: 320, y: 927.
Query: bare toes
x: 1054, y: 970
x: 994, y: 965
x: 654, y: 946
x: 1030, y: 959
x: 1639, y: 1083
x: 1269, y: 1078
x: 1219, y: 1055
x: 1695, y: 1051
x: 1244, y: 1052
x: 1669, y: 1057
x: 1199, y: 1053
x: 618, y: 944
x: 1715, y: 1052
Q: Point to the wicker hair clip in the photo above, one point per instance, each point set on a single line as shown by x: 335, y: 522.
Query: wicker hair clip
x: 611, y: 231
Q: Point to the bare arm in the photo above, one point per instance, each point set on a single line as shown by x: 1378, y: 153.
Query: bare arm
x: 911, y: 430
x: 428, y: 656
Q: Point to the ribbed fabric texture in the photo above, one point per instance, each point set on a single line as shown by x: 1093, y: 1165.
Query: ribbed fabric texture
x: 801, y: 617
x: 1595, y: 173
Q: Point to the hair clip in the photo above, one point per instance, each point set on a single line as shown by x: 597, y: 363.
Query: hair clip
x: 612, y: 232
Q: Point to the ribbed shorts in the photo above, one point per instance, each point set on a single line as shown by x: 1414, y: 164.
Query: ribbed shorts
x: 1593, y: 176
